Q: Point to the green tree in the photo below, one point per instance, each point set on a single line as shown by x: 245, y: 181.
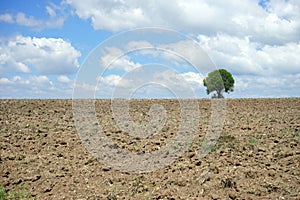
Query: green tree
x: 219, y: 81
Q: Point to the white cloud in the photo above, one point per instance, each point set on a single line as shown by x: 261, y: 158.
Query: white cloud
x: 16, y: 78
x: 283, y: 8
x: 266, y: 86
x: 207, y: 17
x: 114, y: 58
x: 22, y: 19
x: 47, y: 55
x: 241, y: 56
x: 109, y: 14
x: 55, y: 19
x: 50, y: 11
x: 29, y: 21
x: 32, y: 86
x: 5, y: 81
x: 41, y: 80
x: 110, y: 80
x: 64, y: 79
x: 136, y: 45
x: 282, y: 59
x: 193, y: 78
x: 6, y: 17
x: 188, y: 51
x: 180, y: 54
x: 32, y: 80
x: 18, y: 87
x: 147, y: 82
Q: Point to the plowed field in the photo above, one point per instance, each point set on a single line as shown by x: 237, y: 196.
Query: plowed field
x: 256, y: 157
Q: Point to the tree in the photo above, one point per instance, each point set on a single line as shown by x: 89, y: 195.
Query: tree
x: 219, y: 81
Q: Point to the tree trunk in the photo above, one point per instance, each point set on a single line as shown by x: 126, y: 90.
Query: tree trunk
x: 220, y: 95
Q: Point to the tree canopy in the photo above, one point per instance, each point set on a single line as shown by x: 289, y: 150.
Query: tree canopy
x: 219, y: 81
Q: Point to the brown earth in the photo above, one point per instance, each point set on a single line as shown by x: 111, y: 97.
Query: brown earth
x: 256, y: 157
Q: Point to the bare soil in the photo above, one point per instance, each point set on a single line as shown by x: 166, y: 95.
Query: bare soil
x: 256, y: 157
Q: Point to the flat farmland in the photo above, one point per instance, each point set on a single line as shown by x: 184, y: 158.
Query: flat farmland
x: 257, y: 155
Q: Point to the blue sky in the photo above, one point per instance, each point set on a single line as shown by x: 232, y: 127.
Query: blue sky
x: 43, y: 44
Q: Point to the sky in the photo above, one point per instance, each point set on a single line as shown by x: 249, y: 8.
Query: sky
x: 148, y: 49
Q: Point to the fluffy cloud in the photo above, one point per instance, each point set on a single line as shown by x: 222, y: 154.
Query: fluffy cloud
x: 282, y: 59
x: 114, y: 58
x: 32, y: 86
x: 138, y: 44
x: 242, y: 56
x: 55, y: 19
x: 109, y: 14
x: 47, y: 55
x: 21, y: 87
x: 154, y: 82
x: 208, y: 17
x: 180, y: 55
x: 5, y: 81
x: 64, y: 79
x: 6, y: 17
x: 194, y: 78
x: 266, y: 86
x: 188, y: 51
x: 112, y: 80
x: 29, y: 21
